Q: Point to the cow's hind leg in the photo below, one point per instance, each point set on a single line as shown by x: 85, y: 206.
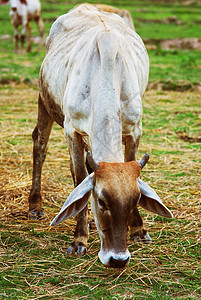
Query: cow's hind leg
x: 137, y: 232
x: 40, y: 137
x: 78, y: 170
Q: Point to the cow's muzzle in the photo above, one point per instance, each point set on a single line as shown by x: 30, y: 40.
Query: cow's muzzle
x: 114, y: 260
x: 118, y: 263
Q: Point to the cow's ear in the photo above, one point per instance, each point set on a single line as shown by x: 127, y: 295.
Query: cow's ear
x: 4, y: 2
x: 23, y: 2
x: 76, y: 201
x: 151, y: 201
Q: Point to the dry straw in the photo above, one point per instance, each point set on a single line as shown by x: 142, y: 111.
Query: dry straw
x: 173, y: 170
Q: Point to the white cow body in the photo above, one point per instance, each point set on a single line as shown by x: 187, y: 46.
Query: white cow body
x: 101, y: 64
x: 91, y: 83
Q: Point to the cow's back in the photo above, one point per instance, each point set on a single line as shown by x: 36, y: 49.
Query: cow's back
x: 72, y: 52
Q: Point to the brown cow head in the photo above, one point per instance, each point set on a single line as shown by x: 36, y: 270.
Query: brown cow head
x: 116, y: 192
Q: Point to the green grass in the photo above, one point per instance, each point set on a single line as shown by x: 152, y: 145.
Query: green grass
x: 174, y: 66
x: 33, y: 269
x: 167, y: 66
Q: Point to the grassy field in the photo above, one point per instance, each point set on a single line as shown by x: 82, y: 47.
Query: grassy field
x: 32, y: 256
x: 153, y: 22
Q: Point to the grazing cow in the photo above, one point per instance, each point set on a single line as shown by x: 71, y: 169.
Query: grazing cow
x: 124, y: 13
x: 91, y: 83
x: 21, y: 13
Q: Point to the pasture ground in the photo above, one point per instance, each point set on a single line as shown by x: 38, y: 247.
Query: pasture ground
x: 33, y: 264
x: 33, y: 261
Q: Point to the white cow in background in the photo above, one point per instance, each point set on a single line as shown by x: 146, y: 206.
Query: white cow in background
x: 91, y: 83
x: 21, y: 13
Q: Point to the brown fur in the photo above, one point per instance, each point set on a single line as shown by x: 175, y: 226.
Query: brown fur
x: 40, y: 137
x: 118, y: 171
x: 23, y: 2
x: 121, y: 195
x: 4, y: 1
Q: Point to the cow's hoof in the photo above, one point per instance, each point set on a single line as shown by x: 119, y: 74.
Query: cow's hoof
x: 76, y: 248
x: 81, y: 250
x: 141, y: 236
x: 37, y: 214
x: 147, y: 238
x: 70, y: 250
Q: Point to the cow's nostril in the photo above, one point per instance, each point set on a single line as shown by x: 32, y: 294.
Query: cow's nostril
x: 118, y: 263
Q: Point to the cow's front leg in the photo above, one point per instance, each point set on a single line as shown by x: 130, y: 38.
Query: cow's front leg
x: 40, y: 137
x: 137, y: 232
x: 78, y: 170
x: 79, y: 243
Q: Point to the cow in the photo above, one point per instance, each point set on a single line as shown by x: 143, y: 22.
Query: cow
x: 91, y: 83
x: 22, y: 12
x: 124, y: 13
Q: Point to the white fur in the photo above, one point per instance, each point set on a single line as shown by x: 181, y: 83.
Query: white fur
x: 105, y: 256
x: 93, y: 64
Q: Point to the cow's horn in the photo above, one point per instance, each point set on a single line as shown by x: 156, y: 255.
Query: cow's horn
x: 92, y: 162
x: 142, y: 162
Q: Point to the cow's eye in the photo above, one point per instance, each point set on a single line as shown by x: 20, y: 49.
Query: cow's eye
x: 102, y: 204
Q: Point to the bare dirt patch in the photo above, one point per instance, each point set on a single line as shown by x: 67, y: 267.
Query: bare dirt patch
x: 168, y: 20
x: 171, y: 44
x: 191, y: 139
